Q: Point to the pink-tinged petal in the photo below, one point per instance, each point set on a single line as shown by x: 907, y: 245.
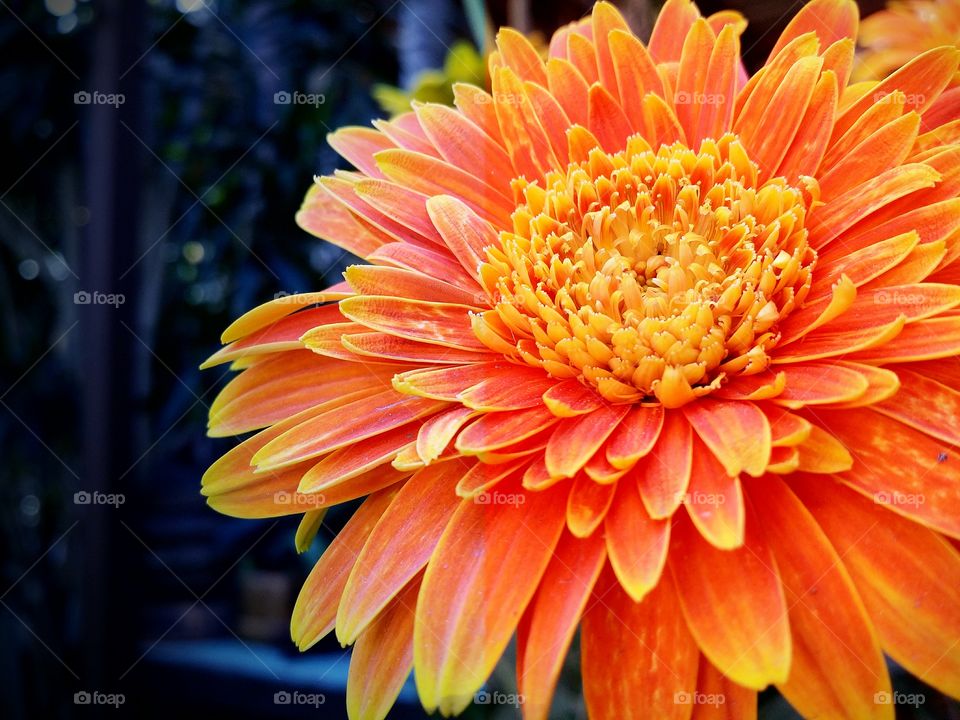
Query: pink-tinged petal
x: 734, y: 604
x: 477, y: 105
x: 576, y: 439
x: 447, y: 383
x: 926, y: 484
x: 714, y: 500
x: 738, y: 433
x: 382, y: 659
x: 464, y: 232
x: 493, y: 431
x: 404, y: 205
x: 431, y: 176
x: 316, y: 606
x: 464, y: 145
x: 398, y: 547
x: 434, y: 262
x: 431, y: 322
x: 359, y: 145
x: 552, y: 618
x: 838, y: 668
x: 466, y: 618
x: 637, y: 658
x: 377, y: 347
x: 636, y: 543
x: 664, y: 474
x: 343, y: 425
x: 280, y: 335
x: 358, y: 458
x: 907, y: 575
x: 401, y: 283
x: 587, y: 505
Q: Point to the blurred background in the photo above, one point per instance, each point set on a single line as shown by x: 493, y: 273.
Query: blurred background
x: 156, y: 152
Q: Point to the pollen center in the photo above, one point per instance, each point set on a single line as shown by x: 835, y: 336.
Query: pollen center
x: 649, y: 275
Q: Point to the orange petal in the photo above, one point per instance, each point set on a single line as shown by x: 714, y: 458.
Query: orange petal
x: 635, y: 436
x: 838, y: 667
x: 571, y: 398
x: 924, y: 340
x: 399, y: 547
x: 576, y: 439
x: 404, y: 205
x: 341, y: 426
x: 428, y: 261
x: 587, y: 505
x: 637, y: 545
x: 316, y: 606
x: 521, y: 56
x: 636, y: 74
x: 411, y: 285
x: 493, y: 431
x: 570, y: 89
x: 375, y: 347
x: 810, y: 142
x: 831, y: 20
x: 738, y: 433
x: 714, y: 500
x: 718, y: 698
x: 664, y: 475
x: 481, y: 476
x: 431, y: 322
x: 671, y: 28
x: 438, y: 432
x: 605, y: 20
x: 690, y: 93
x: 551, y: 620
x: 382, y: 659
x: 648, y: 645
x: 823, y: 453
x: 734, y: 604
x: 925, y: 405
x: 465, y: 233
x: 270, y: 312
x: 926, y: 484
x: 821, y: 384
x: 914, y: 601
x: 606, y: 120
x: 498, y: 555
x: 359, y: 145
x: 824, y: 344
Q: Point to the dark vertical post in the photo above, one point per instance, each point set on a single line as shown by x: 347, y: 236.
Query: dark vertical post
x: 111, y: 159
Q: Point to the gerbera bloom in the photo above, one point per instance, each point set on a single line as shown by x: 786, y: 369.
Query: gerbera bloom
x: 644, y: 347
x: 893, y: 37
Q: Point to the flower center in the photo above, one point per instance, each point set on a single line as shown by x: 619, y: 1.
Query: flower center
x: 650, y: 276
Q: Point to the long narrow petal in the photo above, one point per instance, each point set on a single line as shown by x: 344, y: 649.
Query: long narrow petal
x: 465, y: 619
x: 636, y: 543
x: 838, y: 668
x: 734, y: 604
x: 650, y: 647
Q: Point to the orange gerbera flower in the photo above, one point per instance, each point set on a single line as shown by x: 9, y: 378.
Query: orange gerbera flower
x: 895, y: 36
x: 646, y: 348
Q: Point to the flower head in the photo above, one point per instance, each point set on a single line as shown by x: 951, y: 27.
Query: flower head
x: 645, y: 347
